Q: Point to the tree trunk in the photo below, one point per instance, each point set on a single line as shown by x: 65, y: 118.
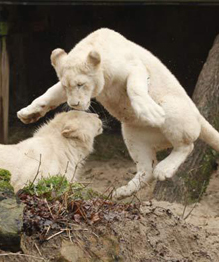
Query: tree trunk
x: 193, y: 176
x: 4, y: 83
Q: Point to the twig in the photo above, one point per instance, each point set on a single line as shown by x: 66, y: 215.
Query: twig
x: 37, y: 173
x: 56, y: 234
x: 47, y: 231
x: 66, y: 169
x: 95, y: 235
x: 49, y: 208
x: 85, y: 182
x: 35, y: 244
x: 19, y: 254
x: 69, y: 235
x: 107, y: 190
x: 184, y: 210
x: 135, y: 196
x: 82, y: 212
x: 110, y: 192
x: 199, y: 197
x: 79, y: 229
x: 107, y: 198
x: 75, y: 225
x: 195, y: 168
x: 185, y: 205
x: 102, y: 194
x: 76, y: 167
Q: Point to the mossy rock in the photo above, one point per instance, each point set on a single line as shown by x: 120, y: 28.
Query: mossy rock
x: 11, y: 215
x: 11, y: 222
x: 105, y: 248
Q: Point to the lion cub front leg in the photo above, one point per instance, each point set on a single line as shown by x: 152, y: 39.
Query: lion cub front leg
x: 145, y: 108
x: 52, y: 98
x: 143, y: 155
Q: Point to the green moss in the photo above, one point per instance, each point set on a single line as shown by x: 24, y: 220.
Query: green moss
x: 55, y: 186
x: 5, y: 174
x: 197, y: 185
x: 5, y: 177
x: 198, y: 180
x: 88, y: 193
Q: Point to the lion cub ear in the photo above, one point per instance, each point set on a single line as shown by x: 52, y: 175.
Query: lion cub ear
x: 69, y: 129
x: 73, y: 131
x: 57, y: 58
x: 94, y: 58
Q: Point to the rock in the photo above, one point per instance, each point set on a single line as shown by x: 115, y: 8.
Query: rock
x: 95, y: 248
x: 11, y: 215
x: 70, y: 252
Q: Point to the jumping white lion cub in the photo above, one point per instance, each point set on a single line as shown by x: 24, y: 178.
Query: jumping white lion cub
x: 137, y: 89
x: 56, y: 148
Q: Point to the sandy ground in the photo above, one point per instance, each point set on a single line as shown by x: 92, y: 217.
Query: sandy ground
x: 118, y: 169
x: 203, y: 215
x: 102, y: 175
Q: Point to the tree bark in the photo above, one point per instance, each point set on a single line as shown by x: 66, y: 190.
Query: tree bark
x: 193, y: 176
x: 4, y: 90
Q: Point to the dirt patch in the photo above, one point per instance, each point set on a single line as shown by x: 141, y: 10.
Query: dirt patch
x: 157, y: 236
x: 101, y: 175
x: 204, y: 216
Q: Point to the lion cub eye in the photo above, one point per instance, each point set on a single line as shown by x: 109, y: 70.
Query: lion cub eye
x: 79, y: 85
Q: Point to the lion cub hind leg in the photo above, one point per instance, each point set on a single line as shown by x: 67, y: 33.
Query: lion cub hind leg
x: 143, y: 155
x: 181, y: 128
x: 168, y: 167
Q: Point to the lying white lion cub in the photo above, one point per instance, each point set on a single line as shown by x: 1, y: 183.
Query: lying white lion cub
x: 61, y: 144
x: 137, y: 89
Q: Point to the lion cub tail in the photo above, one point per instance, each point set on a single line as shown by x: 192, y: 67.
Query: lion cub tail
x: 209, y: 134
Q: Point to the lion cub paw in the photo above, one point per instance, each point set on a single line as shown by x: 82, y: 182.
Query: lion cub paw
x: 122, y: 192
x: 31, y: 113
x: 162, y: 173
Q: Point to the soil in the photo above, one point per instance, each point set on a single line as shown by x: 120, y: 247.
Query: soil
x: 117, y: 172
x: 204, y: 215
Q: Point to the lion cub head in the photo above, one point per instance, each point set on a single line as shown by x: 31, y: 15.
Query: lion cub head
x: 78, y: 125
x: 80, y: 75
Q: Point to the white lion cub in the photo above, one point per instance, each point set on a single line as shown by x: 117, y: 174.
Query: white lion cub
x: 56, y: 148
x: 137, y: 89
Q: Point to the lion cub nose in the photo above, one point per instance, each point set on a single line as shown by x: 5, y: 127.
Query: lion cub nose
x: 73, y: 105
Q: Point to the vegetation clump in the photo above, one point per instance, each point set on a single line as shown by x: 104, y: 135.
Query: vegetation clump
x: 5, y: 177
x: 54, y: 204
x: 55, y: 187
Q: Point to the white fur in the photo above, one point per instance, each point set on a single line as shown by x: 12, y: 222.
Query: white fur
x: 137, y: 89
x: 62, y: 144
